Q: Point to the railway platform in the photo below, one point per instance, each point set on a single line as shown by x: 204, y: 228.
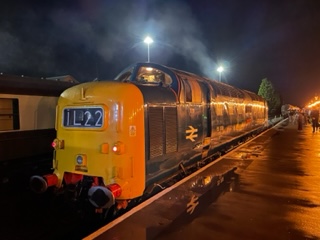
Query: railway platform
x: 268, y: 188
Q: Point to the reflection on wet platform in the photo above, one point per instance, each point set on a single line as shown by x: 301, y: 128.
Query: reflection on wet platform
x: 266, y: 189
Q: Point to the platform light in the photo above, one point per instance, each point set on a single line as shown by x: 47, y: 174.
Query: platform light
x: 220, y: 69
x: 148, y: 40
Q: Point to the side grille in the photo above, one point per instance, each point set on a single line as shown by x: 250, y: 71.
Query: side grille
x: 171, y: 129
x: 155, y: 132
x: 162, y: 130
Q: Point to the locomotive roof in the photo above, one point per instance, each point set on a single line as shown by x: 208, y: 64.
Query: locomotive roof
x: 220, y: 88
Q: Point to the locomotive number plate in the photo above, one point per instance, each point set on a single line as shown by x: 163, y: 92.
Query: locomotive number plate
x: 85, y: 117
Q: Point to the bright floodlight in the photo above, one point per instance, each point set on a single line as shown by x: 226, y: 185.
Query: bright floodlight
x: 148, y: 40
x: 220, y: 70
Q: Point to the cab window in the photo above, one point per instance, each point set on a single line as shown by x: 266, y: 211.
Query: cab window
x: 124, y: 76
x: 149, y: 75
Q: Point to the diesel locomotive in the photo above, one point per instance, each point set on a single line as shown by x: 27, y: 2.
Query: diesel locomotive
x: 118, y: 140
x: 27, y: 113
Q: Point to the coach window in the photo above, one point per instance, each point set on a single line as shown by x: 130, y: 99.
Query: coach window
x: 248, y: 109
x: 9, y: 114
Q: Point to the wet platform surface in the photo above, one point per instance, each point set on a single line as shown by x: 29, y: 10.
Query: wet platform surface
x: 268, y: 188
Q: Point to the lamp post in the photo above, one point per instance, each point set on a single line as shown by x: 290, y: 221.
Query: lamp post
x: 220, y: 70
x: 148, y: 40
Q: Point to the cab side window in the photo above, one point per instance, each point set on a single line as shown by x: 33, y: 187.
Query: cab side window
x: 125, y: 76
x: 188, y: 91
x: 192, y: 91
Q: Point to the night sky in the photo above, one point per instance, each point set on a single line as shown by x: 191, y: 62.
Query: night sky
x: 88, y: 39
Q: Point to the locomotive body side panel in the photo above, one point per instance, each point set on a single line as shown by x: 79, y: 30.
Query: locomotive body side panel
x: 193, y: 119
x: 160, y: 132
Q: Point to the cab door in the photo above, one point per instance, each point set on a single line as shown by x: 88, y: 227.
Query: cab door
x: 195, y: 101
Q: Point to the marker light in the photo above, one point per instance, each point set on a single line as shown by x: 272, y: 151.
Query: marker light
x: 57, y: 144
x: 118, y: 148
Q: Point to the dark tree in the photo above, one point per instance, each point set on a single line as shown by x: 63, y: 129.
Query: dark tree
x: 268, y: 92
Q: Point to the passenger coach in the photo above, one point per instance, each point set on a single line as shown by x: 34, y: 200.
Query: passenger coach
x: 27, y: 120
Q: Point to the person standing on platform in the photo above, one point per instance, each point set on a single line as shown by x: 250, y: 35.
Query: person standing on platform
x: 291, y: 116
x: 315, y: 119
x: 300, y: 120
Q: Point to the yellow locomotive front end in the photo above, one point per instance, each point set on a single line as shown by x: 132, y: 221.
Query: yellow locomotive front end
x: 99, y: 148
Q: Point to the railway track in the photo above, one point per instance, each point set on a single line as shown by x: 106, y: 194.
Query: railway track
x: 26, y: 215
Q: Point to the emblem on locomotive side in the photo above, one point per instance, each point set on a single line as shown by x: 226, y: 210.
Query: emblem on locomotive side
x: 192, y: 133
x: 191, y: 206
